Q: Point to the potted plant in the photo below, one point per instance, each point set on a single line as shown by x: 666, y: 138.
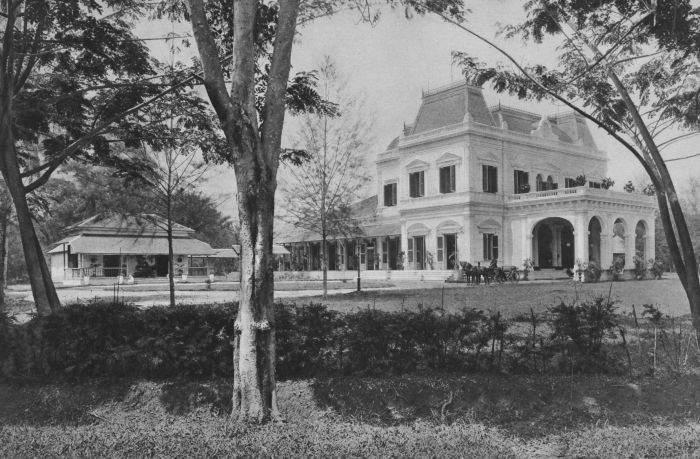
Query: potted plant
x: 629, y: 187
x: 580, y: 180
x: 592, y: 272
x: 528, y: 264
x: 580, y: 268
x: 607, y: 183
x: 399, y: 260
x: 525, y: 188
x: 617, y: 268
x: 640, y: 268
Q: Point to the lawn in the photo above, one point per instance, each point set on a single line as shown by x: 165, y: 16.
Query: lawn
x: 477, y: 415
x: 512, y: 299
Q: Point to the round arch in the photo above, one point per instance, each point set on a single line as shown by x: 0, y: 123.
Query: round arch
x: 595, y: 228
x: 620, y: 230
x: 640, y: 235
x: 553, y: 243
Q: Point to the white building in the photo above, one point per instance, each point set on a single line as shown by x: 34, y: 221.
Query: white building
x: 469, y: 182
x: 110, y: 246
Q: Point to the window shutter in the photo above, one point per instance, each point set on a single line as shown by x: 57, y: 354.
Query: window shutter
x: 485, y: 178
x: 494, y: 179
x: 387, y: 195
x: 394, y: 197
x: 421, y: 183
x: 453, y: 181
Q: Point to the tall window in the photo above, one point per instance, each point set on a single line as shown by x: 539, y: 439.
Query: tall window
x: 409, y: 253
x: 440, y: 249
x: 385, y: 251
x: 521, y: 182
x: 570, y: 183
x: 390, y: 194
x: 594, y: 185
x: 490, y: 178
x: 416, y: 184
x: 490, y: 246
x: 447, y: 179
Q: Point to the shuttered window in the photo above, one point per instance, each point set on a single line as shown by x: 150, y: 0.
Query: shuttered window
x: 416, y: 184
x: 447, y: 179
x: 490, y: 178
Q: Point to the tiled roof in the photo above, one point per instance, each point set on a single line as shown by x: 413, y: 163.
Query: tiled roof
x: 132, y: 245
x: 117, y: 224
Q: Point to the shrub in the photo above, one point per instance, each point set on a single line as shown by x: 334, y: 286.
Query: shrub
x: 640, y: 267
x: 656, y: 268
x: 592, y: 272
x: 116, y: 340
x: 585, y: 324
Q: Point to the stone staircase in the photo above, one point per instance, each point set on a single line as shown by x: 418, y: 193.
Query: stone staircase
x: 549, y: 274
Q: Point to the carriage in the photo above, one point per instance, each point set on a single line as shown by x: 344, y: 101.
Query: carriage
x: 475, y: 275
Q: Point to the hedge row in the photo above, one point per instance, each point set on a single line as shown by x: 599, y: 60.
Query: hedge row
x: 102, y: 339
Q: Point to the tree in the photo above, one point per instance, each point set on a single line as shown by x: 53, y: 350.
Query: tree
x: 320, y: 191
x: 257, y: 39
x: 83, y: 191
x: 201, y: 213
x: 631, y: 68
x: 73, y: 78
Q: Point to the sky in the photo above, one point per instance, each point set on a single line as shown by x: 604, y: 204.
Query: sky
x: 391, y: 62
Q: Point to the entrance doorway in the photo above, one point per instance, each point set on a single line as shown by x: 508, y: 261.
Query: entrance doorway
x: 416, y: 252
x: 161, y: 265
x: 553, y: 243
x: 451, y: 251
x: 393, y: 252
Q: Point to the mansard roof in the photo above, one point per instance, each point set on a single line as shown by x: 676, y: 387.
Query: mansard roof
x: 459, y: 103
x: 453, y: 104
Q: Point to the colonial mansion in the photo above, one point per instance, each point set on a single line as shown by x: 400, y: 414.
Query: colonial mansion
x: 469, y: 182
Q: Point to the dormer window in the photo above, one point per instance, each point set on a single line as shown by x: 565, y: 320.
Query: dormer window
x: 416, y: 184
x: 447, y: 179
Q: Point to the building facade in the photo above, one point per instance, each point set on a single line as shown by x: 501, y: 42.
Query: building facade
x: 472, y: 182
x: 114, y: 246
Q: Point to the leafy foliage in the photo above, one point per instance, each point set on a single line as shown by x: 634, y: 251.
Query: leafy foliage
x: 110, y: 340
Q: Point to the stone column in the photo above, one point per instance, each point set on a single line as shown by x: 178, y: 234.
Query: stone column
x: 606, y: 257
x: 651, y: 238
x: 403, y: 245
x: 580, y: 239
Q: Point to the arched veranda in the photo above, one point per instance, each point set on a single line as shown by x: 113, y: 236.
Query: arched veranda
x: 553, y: 243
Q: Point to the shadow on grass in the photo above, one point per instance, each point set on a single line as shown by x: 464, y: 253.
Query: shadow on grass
x: 523, y: 405
x: 53, y: 403
x: 182, y: 397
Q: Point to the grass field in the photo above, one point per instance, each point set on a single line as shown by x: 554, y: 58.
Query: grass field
x: 439, y: 416
x: 512, y: 299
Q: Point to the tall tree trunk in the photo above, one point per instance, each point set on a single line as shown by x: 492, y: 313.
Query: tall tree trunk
x: 4, y: 219
x: 171, y: 271
x: 169, y: 232
x: 43, y: 290
x: 685, y: 257
x: 324, y: 260
x: 254, y: 388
